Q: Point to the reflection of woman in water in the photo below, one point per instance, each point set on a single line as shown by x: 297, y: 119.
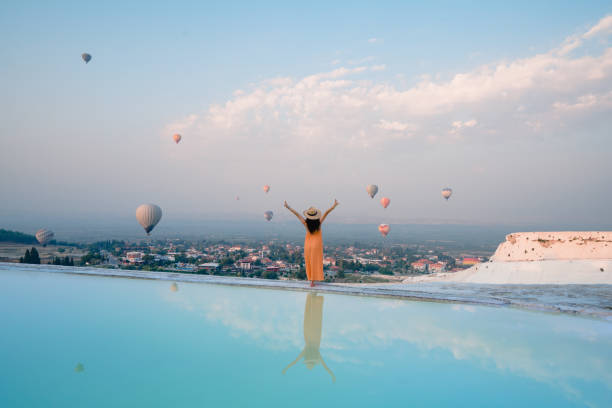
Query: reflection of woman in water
x: 313, y: 322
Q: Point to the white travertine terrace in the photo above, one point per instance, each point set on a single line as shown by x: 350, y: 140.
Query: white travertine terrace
x: 540, y: 258
x: 564, y: 245
x: 588, y: 300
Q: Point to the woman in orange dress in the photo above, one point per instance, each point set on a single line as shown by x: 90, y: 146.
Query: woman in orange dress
x: 313, y: 243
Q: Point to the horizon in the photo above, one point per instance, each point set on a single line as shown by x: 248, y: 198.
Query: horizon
x: 83, y: 230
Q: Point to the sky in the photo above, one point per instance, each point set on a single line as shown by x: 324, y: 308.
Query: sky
x: 510, y: 105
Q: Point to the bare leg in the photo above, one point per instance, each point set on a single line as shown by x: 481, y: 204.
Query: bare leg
x: 312, y: 284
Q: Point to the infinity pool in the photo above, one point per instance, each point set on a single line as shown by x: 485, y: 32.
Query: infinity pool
x: 84, y: 341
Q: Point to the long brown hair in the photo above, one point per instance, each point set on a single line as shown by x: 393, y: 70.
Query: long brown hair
x: 313, y: 225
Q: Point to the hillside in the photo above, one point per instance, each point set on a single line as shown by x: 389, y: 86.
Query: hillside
x: 17, y: 237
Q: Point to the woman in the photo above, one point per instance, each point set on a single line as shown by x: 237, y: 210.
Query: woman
x: 313, y: 243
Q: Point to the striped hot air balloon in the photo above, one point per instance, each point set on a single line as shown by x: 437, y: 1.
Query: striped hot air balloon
x: 372, y: 189
x: 44, y: 236
x: 384, y: 229
x: 148, y: 215
x: 268, y: 215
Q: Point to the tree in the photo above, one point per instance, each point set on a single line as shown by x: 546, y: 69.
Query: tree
x: 35, y: 259
x: 226, y: 262
x: 385, y: 271
x: 340, y: 274
x: 270, y: 275
x: 30, y: 257
x: 26, y: 257
x: 66, y: 261
x: 371, y: 268
x: 91, y: 258
x: 301, y: 275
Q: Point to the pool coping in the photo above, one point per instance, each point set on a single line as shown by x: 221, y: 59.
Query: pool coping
x: 415, y: 292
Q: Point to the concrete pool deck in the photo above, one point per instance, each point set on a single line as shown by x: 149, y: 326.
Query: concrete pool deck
x: 585, y: 300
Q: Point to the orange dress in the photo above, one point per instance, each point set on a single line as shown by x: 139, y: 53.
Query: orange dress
x: 313, y: 255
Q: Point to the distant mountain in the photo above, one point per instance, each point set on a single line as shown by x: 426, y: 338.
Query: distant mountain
x: 16, y: 236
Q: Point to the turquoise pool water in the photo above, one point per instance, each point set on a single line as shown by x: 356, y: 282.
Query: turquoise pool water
x: 81, y: 341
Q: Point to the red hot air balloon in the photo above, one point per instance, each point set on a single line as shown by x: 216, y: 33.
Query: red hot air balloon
x: 385, y: 202
x: 177, y: 138
x: 384, y: 229
x: 446, y: 193
x: 266, y: 188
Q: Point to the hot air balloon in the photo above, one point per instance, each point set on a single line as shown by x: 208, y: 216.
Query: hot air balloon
x: 384, y: 229
x: 268, y: 215
x: 176, y: 137
x: 372, y: 189
x: 266, y: 188
x: 44, y: 236
x: 148, y: 215
x: 174, y: 287
x: 86, y: 57
x: 385, y: 202
x: 79, y: 368
x: 446, y: 193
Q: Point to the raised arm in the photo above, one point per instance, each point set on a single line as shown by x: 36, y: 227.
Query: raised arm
x: 328, y: 211
x: 295, y: 213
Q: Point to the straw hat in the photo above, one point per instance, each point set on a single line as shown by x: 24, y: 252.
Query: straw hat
x: 312, y: 213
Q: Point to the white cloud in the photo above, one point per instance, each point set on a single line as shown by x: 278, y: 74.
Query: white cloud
x: 393, y: 125
x: 586, y: 102
x: 468, y: 123
x: 604, y: 27
x: 372, y: 40
x: 345, y: 108
x: 458, y: 125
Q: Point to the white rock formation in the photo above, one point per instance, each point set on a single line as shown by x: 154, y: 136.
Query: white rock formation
x: 568, y: 257
x: 564, y: 245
